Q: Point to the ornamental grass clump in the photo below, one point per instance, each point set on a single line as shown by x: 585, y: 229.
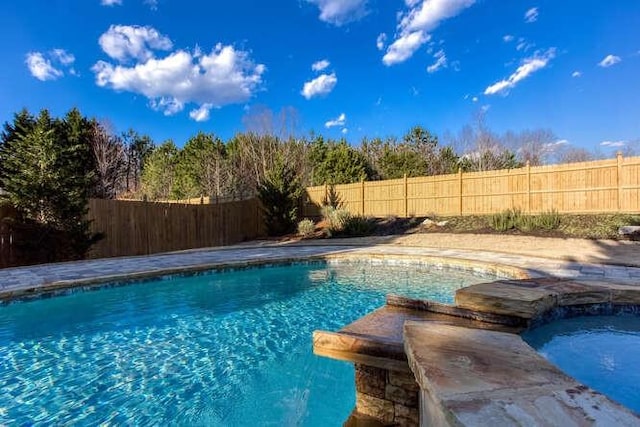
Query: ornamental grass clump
x: 358, y: 226
x: 335, y: 218
x: 306, y: 228
x: 549, y: 220
x: 505, y: 220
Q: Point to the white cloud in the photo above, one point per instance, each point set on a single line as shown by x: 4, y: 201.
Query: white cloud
x: 428, y: 16
x: 222, y: 77
x: 576, y: 74
x: 321, y: 85
x: 124, y: 42
x: 42, y: 65
x: 423, y: 16
x: 507, y: 38
x: 404, y: 47
x: 524, y: 45
x: 528, y: 67
x: 41, y: 68
x: 474, y: 99
x: 561, y: 142
x: 609, y: 60
x: 110, y: 2
x: 63, y: 57
x: 340, y: 12
x: 381, y: 41
x: 153, y: 4
x: 344, y: 131
x: 201, y: 114
x: 441, y: 62
x: 613, y: 144
x: 531, y: 15
x: 339, y: 121
x: 320, y: 65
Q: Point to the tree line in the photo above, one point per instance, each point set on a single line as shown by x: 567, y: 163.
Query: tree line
x: 132, y: 165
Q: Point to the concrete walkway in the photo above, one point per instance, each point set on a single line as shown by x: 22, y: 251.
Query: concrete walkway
x: 14, y: 281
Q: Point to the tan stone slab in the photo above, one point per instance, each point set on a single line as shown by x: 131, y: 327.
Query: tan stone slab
x: 523, y: 299
x: 451, y: 360
x: 377, y: 338
x: 625, y: 296
x: 387, y: 323
x: 619, y: 293
x: 483, y: 320
x: 477, y: 377
x: 363, y: 350
x: 578, y: 293
x: 546, y: 406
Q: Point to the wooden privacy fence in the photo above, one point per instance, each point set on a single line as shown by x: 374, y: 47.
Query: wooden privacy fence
x: 139, y: 228
x: 605, y: 186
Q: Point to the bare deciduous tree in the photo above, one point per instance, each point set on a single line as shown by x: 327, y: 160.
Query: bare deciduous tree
x: 536, y: 146
x: 109, y: 155
x: 572, y: 154
x: 481, y: 148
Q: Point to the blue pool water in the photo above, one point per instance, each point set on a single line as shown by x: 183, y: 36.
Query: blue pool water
x: 602, y: 352
x: 218, y: 349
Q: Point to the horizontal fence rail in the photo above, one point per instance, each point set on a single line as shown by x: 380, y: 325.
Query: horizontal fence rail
x: 604, y: 186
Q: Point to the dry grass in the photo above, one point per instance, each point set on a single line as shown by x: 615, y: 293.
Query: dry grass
x: 578, y: 226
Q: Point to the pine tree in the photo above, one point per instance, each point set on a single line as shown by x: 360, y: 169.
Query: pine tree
x: 22, y: 122
x: 279, y: 194
x: 46, y: 178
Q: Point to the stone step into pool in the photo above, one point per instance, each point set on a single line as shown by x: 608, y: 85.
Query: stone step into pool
x: 429, y: 364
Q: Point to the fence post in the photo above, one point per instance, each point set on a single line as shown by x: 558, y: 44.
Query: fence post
x: 406, y: 198
x: 362, y: 195
x: 619, y: 179
x: 528, y: 167
x: 460, y: 193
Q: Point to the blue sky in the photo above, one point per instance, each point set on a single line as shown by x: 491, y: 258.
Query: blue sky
x: 350, y: 68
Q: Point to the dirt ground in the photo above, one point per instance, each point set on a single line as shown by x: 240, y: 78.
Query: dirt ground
x: 580, y: 250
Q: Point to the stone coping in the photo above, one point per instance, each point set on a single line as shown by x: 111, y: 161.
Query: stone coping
x: 91, y: 281
x: 32, y: 279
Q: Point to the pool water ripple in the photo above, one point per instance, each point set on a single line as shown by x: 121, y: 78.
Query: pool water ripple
x: 226, y: 348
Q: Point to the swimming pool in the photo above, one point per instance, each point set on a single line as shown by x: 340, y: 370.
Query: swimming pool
x: 221, y: 348
x: 600, y: 351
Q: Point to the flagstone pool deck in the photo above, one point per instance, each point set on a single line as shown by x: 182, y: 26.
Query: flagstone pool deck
x: 16, y: 281
x: 465, y: 363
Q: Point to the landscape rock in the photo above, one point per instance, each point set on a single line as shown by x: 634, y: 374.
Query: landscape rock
x: 629, y: 231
